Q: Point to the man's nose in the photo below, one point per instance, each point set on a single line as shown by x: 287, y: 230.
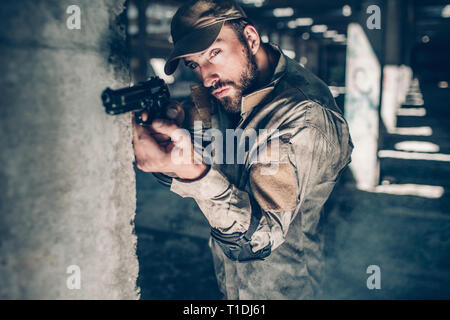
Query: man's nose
x: 210, y: 77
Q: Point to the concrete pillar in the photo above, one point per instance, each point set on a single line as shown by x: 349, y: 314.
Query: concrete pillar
x: 363, y: 91
x: 67, y: 184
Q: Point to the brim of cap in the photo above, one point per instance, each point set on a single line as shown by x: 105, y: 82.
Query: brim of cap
x: 195, y: 42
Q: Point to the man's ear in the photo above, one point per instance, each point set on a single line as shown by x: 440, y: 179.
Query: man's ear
x: 252, y: 36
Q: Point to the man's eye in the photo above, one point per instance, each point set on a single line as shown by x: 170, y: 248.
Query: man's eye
x: 215, y: 52
x: 193, y: 65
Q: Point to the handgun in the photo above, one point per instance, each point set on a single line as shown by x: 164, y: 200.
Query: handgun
x: 151, y: 96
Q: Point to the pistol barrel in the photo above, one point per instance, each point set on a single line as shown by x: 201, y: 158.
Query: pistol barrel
x: 135, y: 98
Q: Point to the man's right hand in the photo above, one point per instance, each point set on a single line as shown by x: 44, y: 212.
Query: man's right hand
x: 155, y: 147
x: 143, y: 134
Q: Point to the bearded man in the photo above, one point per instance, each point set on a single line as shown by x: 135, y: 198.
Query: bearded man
x: 266, y: 225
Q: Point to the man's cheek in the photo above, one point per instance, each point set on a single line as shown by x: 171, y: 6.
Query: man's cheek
x: 234, y: 92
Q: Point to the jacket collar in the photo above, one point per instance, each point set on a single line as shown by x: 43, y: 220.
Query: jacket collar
x: 253, y: 99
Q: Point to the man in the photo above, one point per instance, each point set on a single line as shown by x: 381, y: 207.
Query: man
x: 266, y: 225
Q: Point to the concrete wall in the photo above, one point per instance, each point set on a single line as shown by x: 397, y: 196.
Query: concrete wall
x: 67, y: 184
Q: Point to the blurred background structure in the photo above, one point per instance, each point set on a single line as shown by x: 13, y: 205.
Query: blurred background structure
x: 387, y: 64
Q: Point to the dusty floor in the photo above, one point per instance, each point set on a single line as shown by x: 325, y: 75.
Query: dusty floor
x: 175, y: 267
x: 411, y: 249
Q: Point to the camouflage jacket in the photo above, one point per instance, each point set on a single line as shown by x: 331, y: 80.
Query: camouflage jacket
x: 306, y: 145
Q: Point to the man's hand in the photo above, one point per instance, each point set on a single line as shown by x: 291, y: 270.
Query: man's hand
x: 165, y: 147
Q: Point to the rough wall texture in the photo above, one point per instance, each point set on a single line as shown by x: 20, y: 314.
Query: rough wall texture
x: 67, y: 184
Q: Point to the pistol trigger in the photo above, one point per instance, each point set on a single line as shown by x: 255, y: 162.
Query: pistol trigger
x: 138, y: 118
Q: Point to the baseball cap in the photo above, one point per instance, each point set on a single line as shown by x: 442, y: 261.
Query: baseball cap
x: 196, y: 25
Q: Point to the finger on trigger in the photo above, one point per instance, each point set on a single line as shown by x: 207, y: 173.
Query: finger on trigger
x: 144, y: 116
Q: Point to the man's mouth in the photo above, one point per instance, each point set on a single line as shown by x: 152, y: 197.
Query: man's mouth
x: 220, y: 92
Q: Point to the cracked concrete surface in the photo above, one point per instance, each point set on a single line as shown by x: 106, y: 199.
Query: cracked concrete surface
x: 67, y: 180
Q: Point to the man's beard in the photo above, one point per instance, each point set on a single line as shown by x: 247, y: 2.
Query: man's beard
x: 248, y: 80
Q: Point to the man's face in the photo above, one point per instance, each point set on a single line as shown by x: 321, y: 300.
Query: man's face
x: 227, y: 68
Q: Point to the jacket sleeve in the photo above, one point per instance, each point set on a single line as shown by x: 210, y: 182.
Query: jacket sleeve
x: 276, y: 189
